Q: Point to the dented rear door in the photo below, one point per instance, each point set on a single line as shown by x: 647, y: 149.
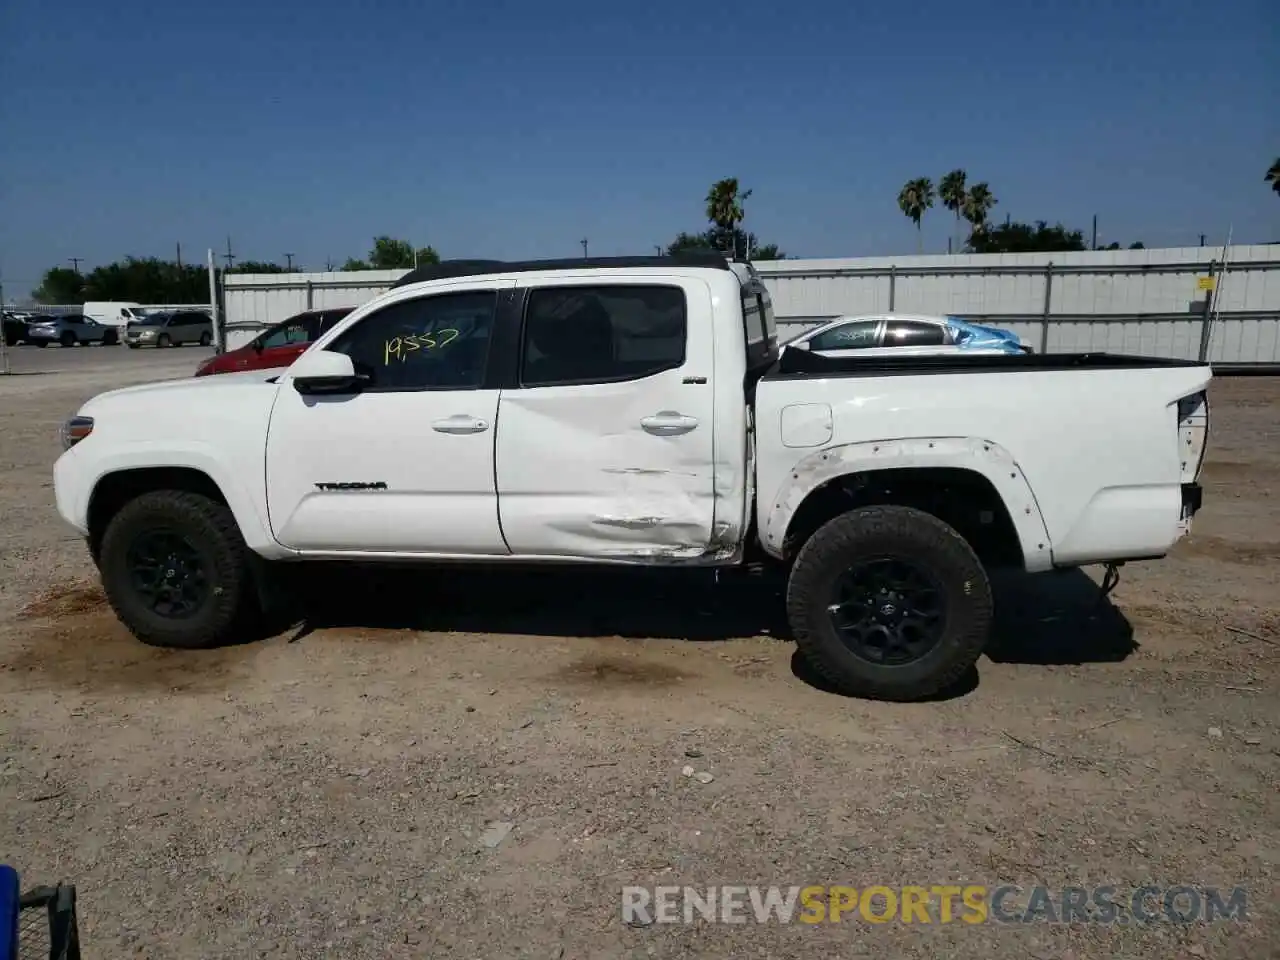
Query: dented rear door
x: 605, y: 445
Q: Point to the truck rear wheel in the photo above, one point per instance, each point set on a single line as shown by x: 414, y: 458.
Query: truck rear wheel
x: 889, y: 603
x: 176, y: 571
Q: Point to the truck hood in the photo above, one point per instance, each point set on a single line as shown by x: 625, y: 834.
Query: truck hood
x: 196, y: 390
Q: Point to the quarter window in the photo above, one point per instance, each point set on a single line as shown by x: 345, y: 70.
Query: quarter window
x: 432, y: 343
x: 855, y: 335
x: 602, y: 334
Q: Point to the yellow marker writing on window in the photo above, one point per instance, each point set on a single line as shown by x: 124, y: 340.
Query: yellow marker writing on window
x: 399, y: 348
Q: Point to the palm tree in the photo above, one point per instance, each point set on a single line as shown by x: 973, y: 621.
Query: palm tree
x: 914, y: 199
x: 951, y: 192
x: 1273, y: 176
x: 724, y: 206
x: 977, y: 205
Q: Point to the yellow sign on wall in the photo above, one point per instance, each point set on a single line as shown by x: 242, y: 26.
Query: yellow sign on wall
x: 1205, y: 283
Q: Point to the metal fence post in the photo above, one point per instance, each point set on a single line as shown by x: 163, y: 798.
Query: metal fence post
x: 219, y: 321
x: 893, y: 277
x: 1048, y: 298
x: 1206, y: 324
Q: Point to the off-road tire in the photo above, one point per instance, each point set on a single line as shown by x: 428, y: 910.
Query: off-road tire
x: 227, y: 615
x: 206, y: 338
x: 890, y: 532
x: 164, y: 340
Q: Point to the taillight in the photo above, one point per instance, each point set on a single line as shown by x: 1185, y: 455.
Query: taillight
x: 1193, y: 434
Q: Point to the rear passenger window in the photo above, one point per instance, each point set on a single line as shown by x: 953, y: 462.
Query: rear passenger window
x: 602, y: 334
x: 912, y: 333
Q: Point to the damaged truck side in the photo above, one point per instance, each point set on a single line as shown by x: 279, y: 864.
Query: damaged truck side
x: 636, y: 411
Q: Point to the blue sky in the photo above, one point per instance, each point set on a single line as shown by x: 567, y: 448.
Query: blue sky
x: 507, y: 129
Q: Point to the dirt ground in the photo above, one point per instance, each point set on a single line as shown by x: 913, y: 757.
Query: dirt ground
x: 327, y: 792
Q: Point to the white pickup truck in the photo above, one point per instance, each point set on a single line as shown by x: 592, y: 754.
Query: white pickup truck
x: 636, y: 411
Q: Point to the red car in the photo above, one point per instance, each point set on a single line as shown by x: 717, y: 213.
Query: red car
x: 276, y: 346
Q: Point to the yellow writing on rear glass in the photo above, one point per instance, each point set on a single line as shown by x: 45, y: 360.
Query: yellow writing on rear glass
x: 399, y: 348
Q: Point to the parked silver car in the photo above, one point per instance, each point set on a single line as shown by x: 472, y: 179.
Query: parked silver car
x: 170, y: 329
x: 70, y: 329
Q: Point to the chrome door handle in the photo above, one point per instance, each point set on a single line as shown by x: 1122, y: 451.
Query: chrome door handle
x: 460, y: 423
x: 668, y: 423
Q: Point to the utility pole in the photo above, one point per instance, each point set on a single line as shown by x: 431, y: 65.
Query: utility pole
x: 289, y: 261
x: 179, y: 246
x: 1202, y: 239
x: 328, y: 264
x: 584, y: 247
x: 1095, y: 232
x: 75, y: 263
x: 230, y: 258
x: 658, y: 248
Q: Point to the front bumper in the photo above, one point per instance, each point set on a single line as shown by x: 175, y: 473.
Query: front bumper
x: 69, y: 493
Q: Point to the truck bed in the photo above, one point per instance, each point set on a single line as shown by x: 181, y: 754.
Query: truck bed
x: 803, y: 363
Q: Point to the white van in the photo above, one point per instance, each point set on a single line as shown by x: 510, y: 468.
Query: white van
x: 114, y: 313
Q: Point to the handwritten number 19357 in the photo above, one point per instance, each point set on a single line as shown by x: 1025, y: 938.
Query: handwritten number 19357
x: 399, y: 348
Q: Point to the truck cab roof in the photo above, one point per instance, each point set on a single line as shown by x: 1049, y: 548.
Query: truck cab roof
x: 452, y: 269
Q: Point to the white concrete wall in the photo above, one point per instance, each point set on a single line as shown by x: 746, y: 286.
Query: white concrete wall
x: 1130, y: 301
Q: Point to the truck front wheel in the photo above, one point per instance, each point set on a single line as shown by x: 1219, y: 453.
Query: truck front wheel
x: 176, y: 571
x: 889, y: 603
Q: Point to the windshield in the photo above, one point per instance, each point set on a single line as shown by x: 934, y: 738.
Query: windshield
x: 152, y: 320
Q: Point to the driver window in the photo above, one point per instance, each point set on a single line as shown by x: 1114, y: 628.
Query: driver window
x: 432, y: 343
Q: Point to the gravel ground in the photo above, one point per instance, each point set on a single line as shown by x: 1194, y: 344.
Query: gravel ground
x: 474, y: 766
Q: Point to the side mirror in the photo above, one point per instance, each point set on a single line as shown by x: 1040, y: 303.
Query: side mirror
x: 323, y: 371
x: 802, y: 345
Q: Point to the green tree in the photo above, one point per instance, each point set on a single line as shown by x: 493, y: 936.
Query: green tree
x: 60, y: 285
x: 1026, y: 238
x: 1273, y: 175
x: 977, y: 207
x: 723, y: 240
x: 388, y: 253
x: 951, y: 191
x: 256, y: 266
x: 915, y: 197
x: 724, y: 208
x: 353, y: 265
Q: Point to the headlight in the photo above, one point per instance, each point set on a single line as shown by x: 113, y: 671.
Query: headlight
x: 75, y: 430
x: 148, y: 333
